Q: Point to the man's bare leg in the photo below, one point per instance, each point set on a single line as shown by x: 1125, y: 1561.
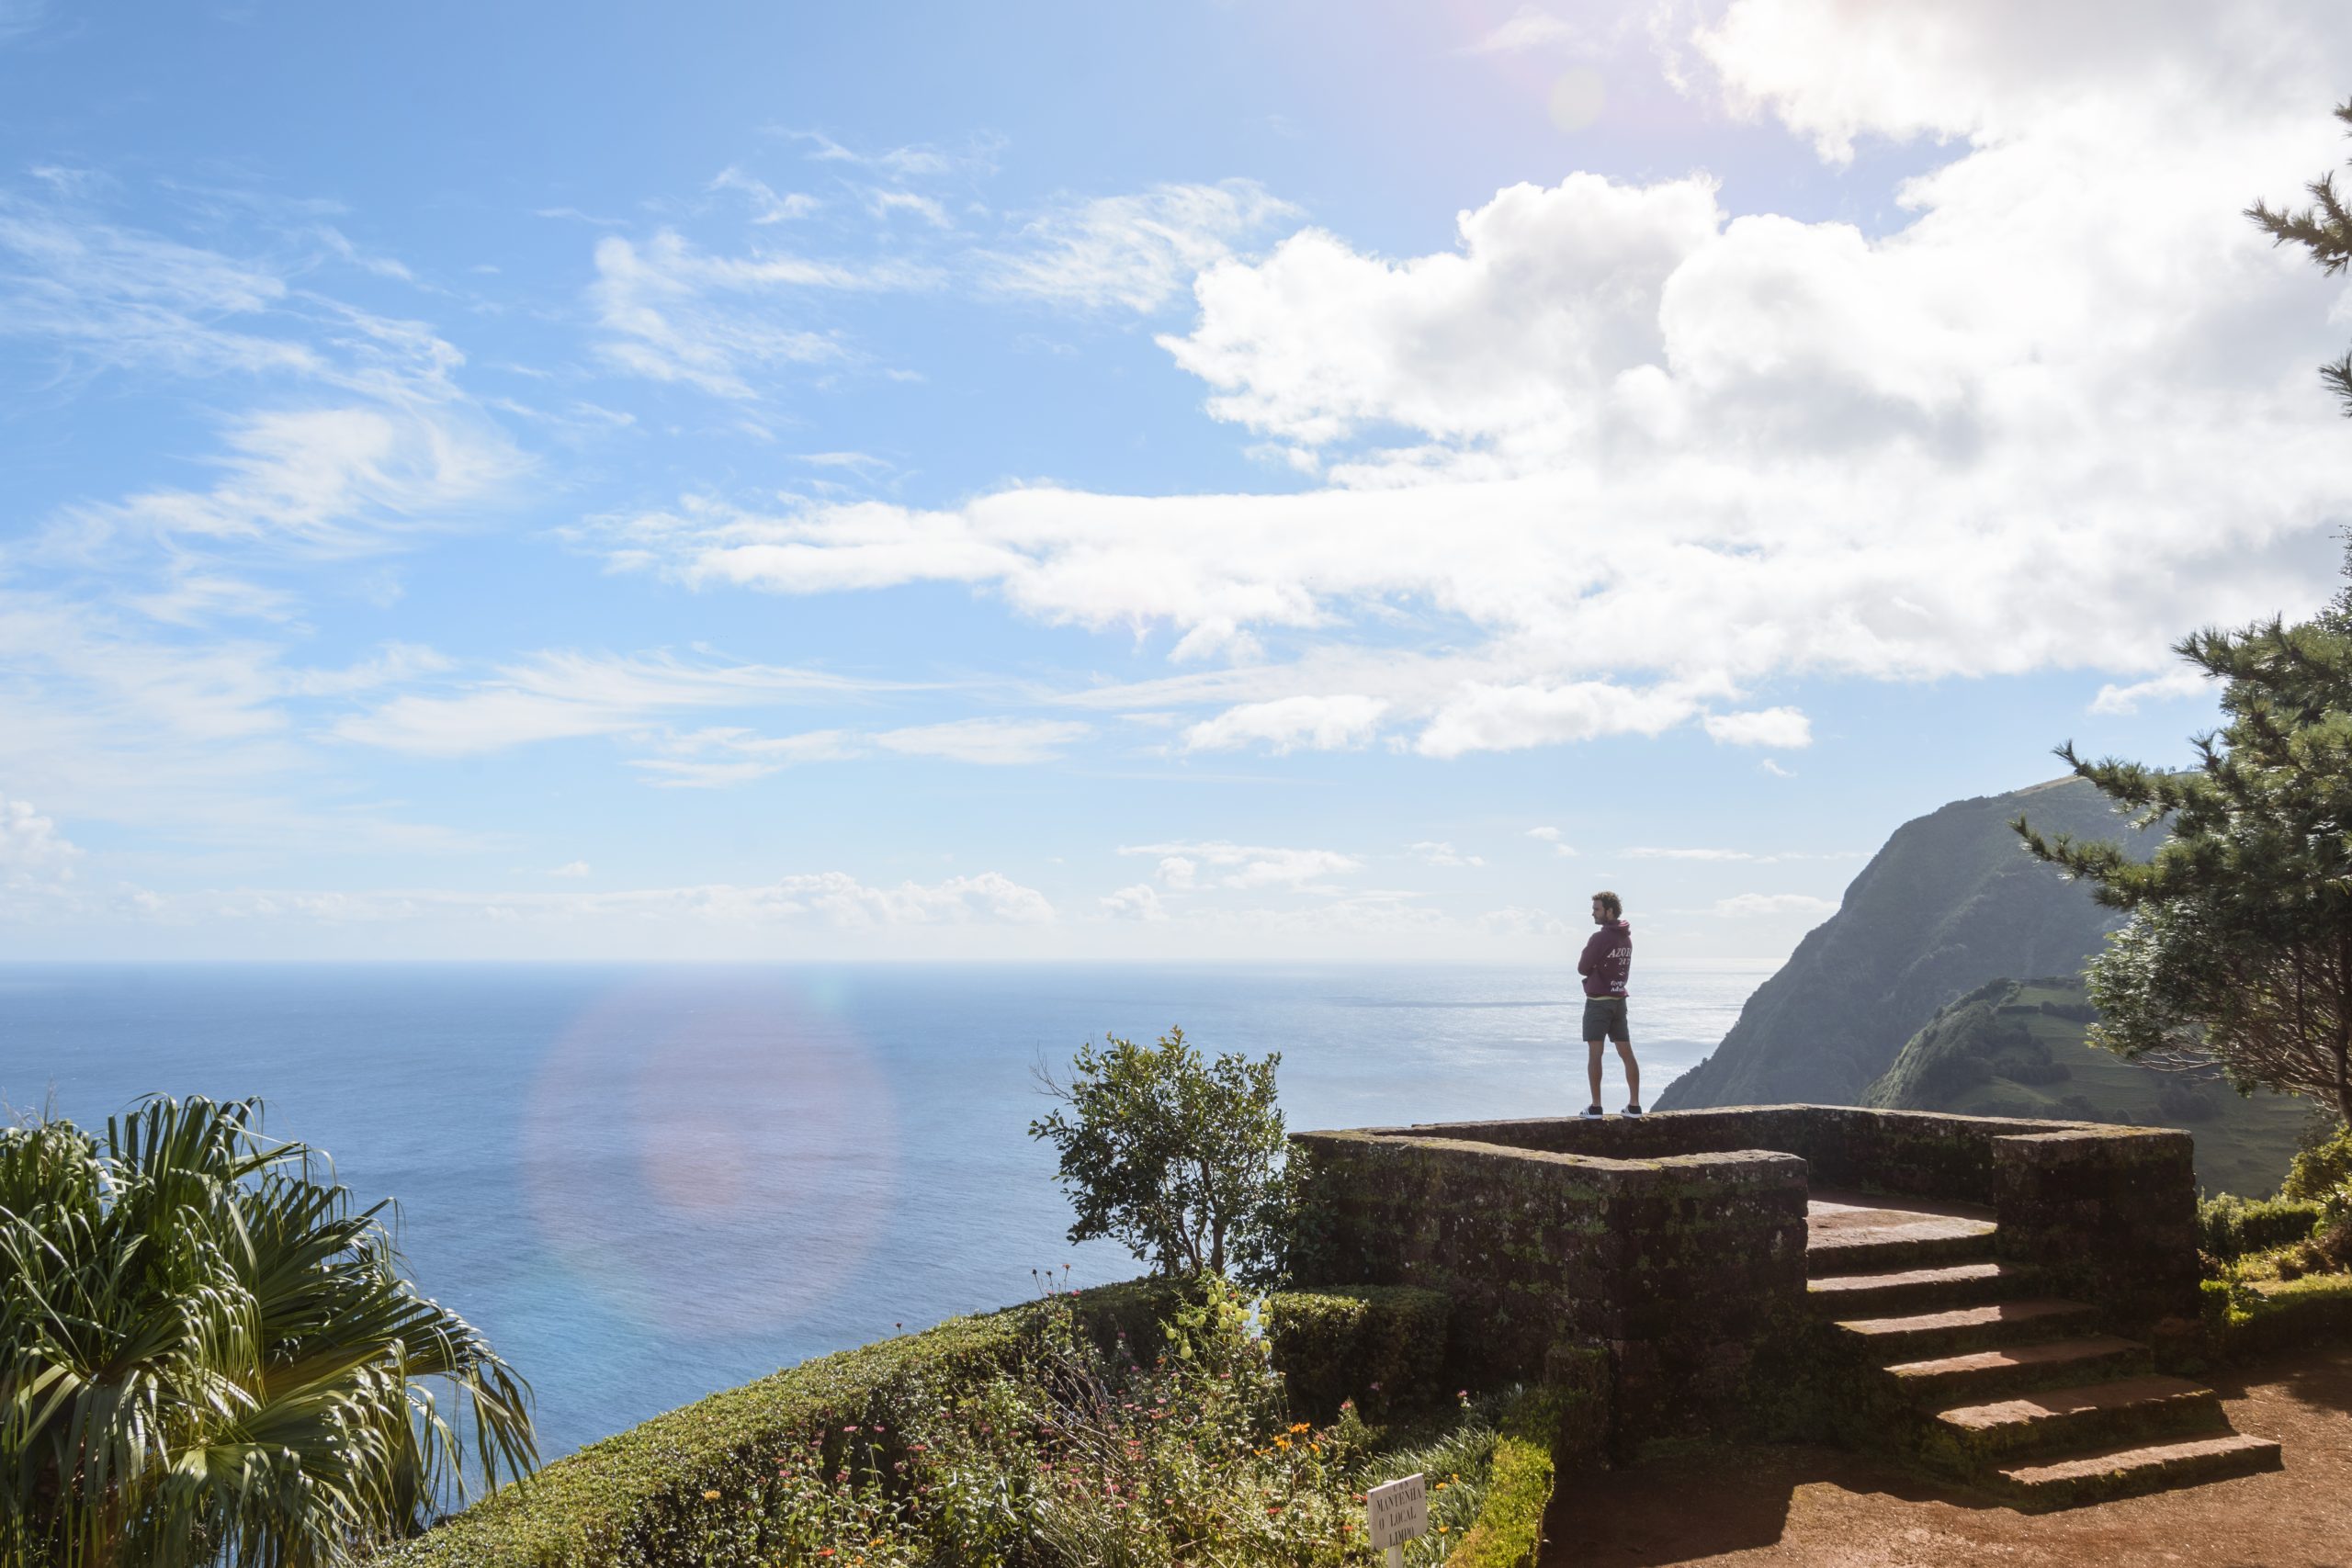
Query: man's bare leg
x: 1593, y: 1071
x: 1633, y: 1073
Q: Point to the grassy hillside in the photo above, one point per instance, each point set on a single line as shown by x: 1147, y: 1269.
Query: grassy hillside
x: 1950, y: 902
x: 2016, y: 1048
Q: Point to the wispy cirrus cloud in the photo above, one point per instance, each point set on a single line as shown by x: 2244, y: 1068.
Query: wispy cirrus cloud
x: 996, y: 742
x: 767, y: 206
x: 324, y: 481
x: 1135, y: 251
x: 671, y: 311
x: 567, y: 696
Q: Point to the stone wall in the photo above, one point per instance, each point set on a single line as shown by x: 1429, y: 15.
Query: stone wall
x: 1674, y: 1243
x: 1913, y: 1153
x: 2108, y: 1215
x: 1680, y: 1267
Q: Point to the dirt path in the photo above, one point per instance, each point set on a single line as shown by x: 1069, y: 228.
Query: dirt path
x: 1781, y: 1507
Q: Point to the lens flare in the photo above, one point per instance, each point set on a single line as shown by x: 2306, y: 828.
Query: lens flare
x: 1577, y: 98
x: 710, y: 1157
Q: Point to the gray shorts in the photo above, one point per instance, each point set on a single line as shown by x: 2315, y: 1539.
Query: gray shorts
x: 1604, y: 1019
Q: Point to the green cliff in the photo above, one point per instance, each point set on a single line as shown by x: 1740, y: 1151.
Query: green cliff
x: 1950, y: 902
x: 2016, y: 1048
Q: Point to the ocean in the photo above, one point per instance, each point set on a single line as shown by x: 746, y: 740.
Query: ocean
x: 648, y: 1183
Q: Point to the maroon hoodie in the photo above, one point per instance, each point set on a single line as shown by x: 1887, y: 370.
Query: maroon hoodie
x: 1607, y: 960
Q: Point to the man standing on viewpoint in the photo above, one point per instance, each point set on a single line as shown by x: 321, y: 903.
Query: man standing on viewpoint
x: 1606, y: 962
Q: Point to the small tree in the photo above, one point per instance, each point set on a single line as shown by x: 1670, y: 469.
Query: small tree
x: 1177, y: 1158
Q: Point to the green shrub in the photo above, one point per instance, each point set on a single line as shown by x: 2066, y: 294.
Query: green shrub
x: 2324, y: 1166
x: 665, y: 1491
x: 2243, y: 1319
x: 2290, y: 1314
x: 1128, y: 1321
x: 1510, y: 1529
x: 2230, y: 1226
x: 1382, y: 1345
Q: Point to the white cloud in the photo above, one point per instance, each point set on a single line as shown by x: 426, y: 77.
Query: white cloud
x: 767, y: 206
x: 1247, y: 866
x: 1648, y: 455
x: 720, y: 757
x: 883, y: 203
x: 913, y: 162
x: 395, y: 663
x: 1484, y: 717
x: 112, y: 297
x: 674, y: 314
x: 1773, y: 768
x: 1437, y: 853
x: 1137, y: 903
x: 34, y: 855
x: 330, y: 481
x: 1529, y: 28
x: 564, y: 696
x: 1286, y: 724
x: 570, y: 868
x: 993, y: 742
x: 1742, y: 905
x: 1783, y: 729
x: 2171, y: 686
x: 1551, y: 837
x: 1135, y: 251
x: 366, y: 260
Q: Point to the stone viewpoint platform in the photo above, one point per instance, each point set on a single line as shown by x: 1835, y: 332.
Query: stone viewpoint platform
x: 1979, y: 1293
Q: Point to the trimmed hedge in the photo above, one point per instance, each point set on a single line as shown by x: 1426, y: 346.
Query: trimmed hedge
x: 635, y: 1499
x: 1509, y: 1531
x: 1381, y: 1346
x: 2230, y: 1226
x: 2242, y: 1321
x: 2279, y: 1314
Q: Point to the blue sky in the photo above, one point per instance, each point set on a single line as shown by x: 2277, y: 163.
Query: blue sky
x: 1240, y: 480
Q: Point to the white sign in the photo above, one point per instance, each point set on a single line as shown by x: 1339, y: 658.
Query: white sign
x: 1397, y: 1512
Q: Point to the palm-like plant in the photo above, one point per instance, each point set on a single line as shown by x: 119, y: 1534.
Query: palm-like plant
x: 207, y: 1354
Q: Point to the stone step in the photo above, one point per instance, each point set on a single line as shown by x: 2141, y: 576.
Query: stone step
x: 1980, y: 1376
x: 1922, y: 1244
x: 1885, y: 1291
x: 1919, y: 1336
x: 2129, y: 1472
x: 1968, y: 1438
